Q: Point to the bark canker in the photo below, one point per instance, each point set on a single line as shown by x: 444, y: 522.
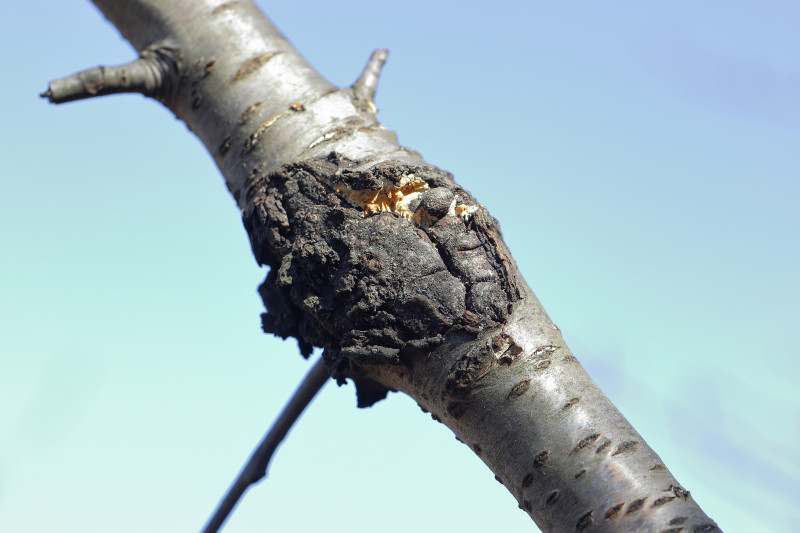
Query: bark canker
x: 374, y: 282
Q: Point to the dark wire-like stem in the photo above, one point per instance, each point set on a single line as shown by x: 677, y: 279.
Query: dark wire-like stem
x: 256, y: 467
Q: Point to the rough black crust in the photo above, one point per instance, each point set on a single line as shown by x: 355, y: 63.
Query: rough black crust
x: 375, y: 289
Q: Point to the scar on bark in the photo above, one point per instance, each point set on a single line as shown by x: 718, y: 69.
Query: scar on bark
x: 584, y: 521
x: 252, y: 65
x: 584, y: 442
x: 611, y: 512
x: 635, y: 506
x: 625, y: 448
x: 570, y: 403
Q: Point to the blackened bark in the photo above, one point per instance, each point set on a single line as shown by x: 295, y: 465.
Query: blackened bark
x: 375, y: 282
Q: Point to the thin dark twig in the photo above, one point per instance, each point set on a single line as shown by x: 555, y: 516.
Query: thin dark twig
x: 256, y: 467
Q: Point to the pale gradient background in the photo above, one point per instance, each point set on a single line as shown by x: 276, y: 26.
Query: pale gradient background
x: 643, y: 163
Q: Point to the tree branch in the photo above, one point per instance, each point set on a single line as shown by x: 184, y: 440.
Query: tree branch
x: 154, y: 74
x: 398, y: 273
x: 367, y: 83
x: 256, y: 467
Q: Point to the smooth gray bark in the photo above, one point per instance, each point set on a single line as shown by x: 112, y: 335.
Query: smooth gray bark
x: 392, y: 268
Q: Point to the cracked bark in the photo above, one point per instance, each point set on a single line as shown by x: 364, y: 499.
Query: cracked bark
x: 391, y: 267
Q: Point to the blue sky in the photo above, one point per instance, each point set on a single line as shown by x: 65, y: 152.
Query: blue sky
x: 642, y: 161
